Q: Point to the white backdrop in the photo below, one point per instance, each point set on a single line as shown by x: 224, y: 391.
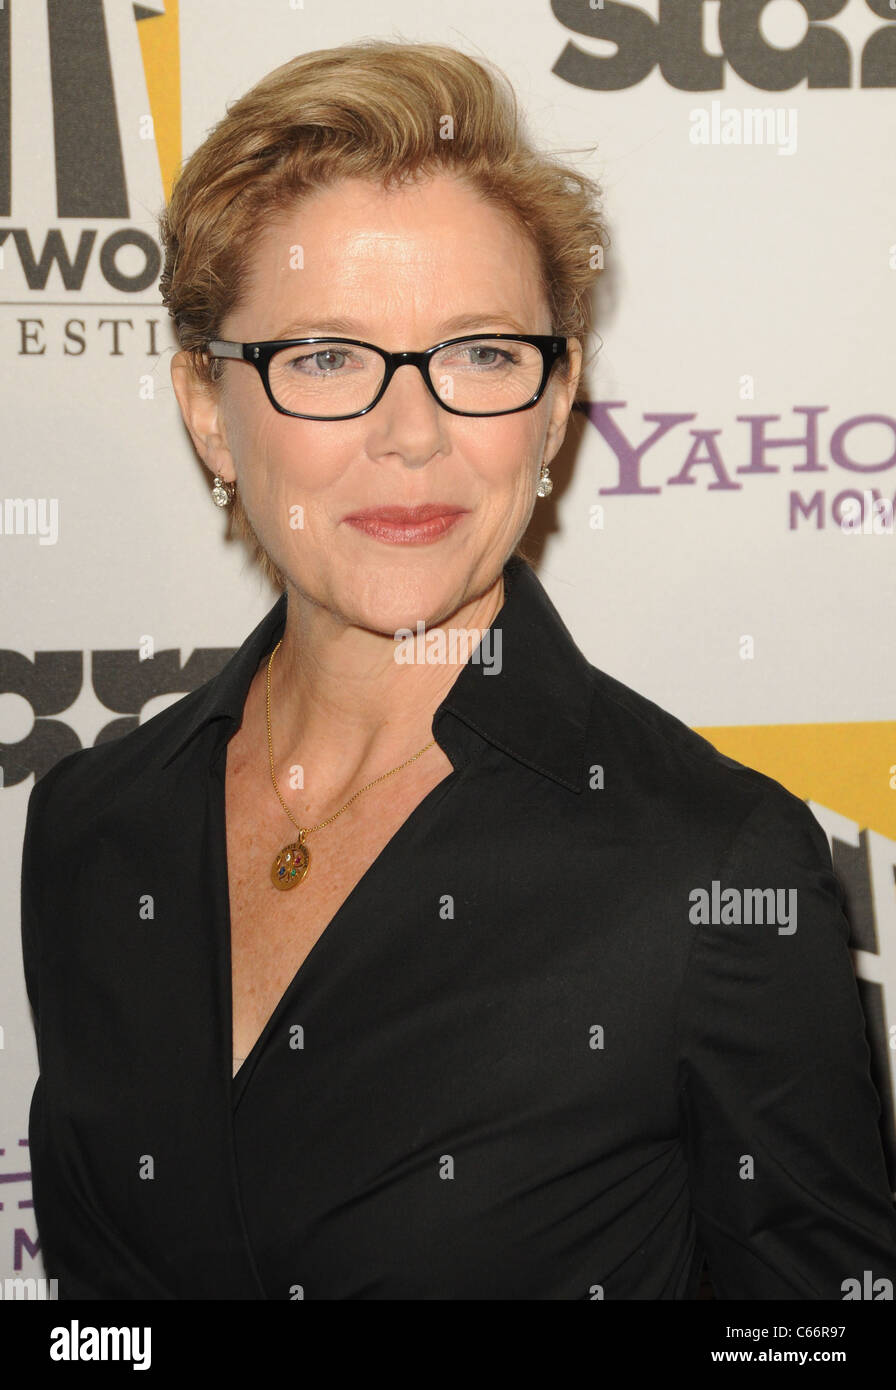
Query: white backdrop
x: 743, y: 280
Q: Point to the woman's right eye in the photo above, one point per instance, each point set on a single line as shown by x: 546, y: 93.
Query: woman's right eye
x: 324, y: 360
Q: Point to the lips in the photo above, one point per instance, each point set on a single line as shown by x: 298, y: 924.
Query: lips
x: 407, y: 516
x: 421, y: 525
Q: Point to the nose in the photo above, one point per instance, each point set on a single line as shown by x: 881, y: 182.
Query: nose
x: 407, y: 420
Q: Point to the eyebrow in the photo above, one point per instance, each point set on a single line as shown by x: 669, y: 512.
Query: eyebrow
x: 350, y: 327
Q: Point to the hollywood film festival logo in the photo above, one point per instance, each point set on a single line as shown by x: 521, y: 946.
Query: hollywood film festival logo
x: 81, y: 185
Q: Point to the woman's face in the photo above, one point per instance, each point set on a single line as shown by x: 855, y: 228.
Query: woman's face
x: 405, y: 270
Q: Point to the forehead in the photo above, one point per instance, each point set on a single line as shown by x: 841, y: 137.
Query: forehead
x: 433, y: 246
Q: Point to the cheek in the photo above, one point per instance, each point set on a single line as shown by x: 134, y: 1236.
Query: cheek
x: 515, y: 454
x: 284, y: 460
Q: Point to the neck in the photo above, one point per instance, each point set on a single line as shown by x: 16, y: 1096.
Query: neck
x: 342, y: 707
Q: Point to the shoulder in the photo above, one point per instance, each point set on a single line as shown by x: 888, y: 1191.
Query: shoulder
x: 91, y: 784
x: 93, y: 787
x: 669, y: 774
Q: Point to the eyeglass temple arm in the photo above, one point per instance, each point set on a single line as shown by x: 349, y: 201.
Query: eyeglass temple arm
x: 221, y: 348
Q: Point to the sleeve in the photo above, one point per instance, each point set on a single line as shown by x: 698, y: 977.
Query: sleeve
x: 778, y: 1112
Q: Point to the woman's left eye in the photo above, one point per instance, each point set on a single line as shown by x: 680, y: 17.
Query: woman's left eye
x: 480, y: 355
x: 328, y: 352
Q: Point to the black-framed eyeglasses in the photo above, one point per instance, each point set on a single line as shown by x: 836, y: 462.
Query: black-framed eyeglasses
x: 481, y: 374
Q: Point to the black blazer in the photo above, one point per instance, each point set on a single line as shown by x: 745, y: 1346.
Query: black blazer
x: 535, y: 1055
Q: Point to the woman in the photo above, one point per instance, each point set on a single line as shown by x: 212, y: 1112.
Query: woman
x: 368, y: 977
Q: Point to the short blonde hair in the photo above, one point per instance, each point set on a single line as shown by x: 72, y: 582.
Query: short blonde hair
x: 375, y: 109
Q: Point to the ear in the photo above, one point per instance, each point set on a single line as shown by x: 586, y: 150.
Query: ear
x: 200, y: 407
x: 563, y: 396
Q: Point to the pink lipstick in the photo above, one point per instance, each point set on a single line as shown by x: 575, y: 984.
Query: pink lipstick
x: 407, y: 525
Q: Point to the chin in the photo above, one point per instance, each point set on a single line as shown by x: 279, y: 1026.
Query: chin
x: 392, y: 597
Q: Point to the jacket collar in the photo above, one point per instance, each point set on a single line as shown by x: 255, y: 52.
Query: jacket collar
x: 535, y: 708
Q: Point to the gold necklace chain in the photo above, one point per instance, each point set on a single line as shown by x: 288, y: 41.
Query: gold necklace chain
x: 294, y: 860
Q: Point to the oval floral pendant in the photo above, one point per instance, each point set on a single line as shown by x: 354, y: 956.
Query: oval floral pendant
x: 290, y: 866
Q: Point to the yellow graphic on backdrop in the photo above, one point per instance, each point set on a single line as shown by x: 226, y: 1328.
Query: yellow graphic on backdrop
x: 850, y: 768
x: 160, y: 45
